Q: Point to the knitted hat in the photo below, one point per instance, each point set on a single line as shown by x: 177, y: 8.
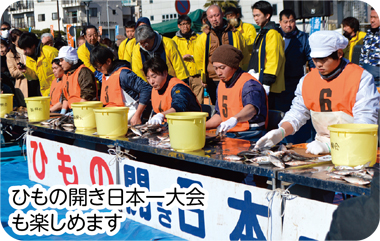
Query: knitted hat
x: 228, y: 55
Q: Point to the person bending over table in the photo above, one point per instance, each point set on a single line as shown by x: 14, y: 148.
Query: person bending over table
x: 169, y: 94
x: 241, y: 104
x: 335, y: 92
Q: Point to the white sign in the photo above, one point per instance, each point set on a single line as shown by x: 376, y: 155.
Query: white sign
x: 53, y: 163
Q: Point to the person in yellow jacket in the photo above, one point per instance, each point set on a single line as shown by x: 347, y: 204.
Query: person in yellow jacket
x: 91, y: 36
x: 267, y: 62
x: 129, y: 47
x: 185, y: 38
x: 246, y: 29
x: 219, y: 32
x: 152, y: 44
x: 38, y: 61
x: 130, y: 33
x: 354, y: 36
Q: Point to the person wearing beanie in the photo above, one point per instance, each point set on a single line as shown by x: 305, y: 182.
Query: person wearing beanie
x: 370, y: 53
x: 185, y: 38
x: 79, y: 83
x: 169, y: 94
x: 38, y: 63
x: 335, y: 92
x: 246, y: 29
x: 127, y: 55
x: 219, y: 32
x: 241, y: 105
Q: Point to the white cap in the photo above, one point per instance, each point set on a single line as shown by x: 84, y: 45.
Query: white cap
x: 324, y: 43
x: 67, y: 52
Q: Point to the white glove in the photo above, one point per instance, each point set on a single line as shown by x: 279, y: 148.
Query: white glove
x: 156, y: 119
x: 228, y: 124
x: 271, y: 138
x: 266, y: 88
x: 317, y: 147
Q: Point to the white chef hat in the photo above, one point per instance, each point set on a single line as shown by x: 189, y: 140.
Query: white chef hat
x: 324, y: 43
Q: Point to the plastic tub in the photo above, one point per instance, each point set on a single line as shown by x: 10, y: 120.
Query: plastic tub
x: 38, y: 108
x: 6, y: 104
x: 353, y: 144
x: 84, y: 116
x: 187, y: 130
x: 111, y: 122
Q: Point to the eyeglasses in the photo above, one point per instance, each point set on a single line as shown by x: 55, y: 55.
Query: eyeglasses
x: 2, y: 29
x: 98, y: 67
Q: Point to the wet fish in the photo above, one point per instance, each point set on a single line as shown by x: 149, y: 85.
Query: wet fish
x: 357, y: 180
x: 343, y: 172
x: 282, y: 147
x: 335, y: 176
x: 262, y: 160
x: 277, y: 161
x: 295, y: 155
x: 370, y: 172
x: 136, y: 131
x: 362, y: 174
x: 248, y: 154
x: 233, y: 158
x: 298, y: 163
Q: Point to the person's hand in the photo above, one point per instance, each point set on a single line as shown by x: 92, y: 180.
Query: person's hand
x: 271, y: 138
x: 21, y: 67
x: 156, y: 119
x: 228, y: 124
x: 317, y: 147
x: 187, y: 57
x: 135, y: 120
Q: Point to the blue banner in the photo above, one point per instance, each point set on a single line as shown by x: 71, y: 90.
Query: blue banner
x: 116, y: 30
x: 315, y: 24
x: 30, y: 29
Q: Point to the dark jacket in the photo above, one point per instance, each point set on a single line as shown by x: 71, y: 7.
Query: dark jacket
x: 132, y: 84
x: 356, y: 218
x: 296, y: 54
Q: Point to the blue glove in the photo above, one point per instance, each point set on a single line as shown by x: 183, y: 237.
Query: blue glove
x: 98, y: 75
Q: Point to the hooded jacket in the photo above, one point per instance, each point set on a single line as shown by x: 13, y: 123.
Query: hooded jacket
x: 84, y: 54
x: 168, y: 51
x: 39, y: 67
x: 357, y: 40
x: 186, y: 46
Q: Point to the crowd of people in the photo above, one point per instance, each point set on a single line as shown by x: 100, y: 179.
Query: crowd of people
x: 247, y: 73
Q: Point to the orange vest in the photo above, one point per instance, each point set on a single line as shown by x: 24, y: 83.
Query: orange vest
x: 55, y: 91
x: 71, y: 88
x: 339, y: 94
x: 111, y: 95
x: 161, y: 103
x: 230, y: 101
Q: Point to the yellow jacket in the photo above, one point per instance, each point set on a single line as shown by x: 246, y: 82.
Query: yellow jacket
x: 249, y: 33
x: 42, y: 69
x: 125, y: 50
x: 84, y: 55
x: 174, y: 61
x: 187, y: 47
x: 358, y: 39
x: 274, y: 59
x: 200, y: 52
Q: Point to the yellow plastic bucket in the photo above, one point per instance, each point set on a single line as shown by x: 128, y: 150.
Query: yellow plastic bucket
x: 111, y: 122
x: 6, y: 104
x: 84, y: 116
x: 38, y: 108
x: 187, y: 130
x: 353, y: 144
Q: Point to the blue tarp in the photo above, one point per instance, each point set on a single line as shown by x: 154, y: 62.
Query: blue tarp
x: 14, y: 172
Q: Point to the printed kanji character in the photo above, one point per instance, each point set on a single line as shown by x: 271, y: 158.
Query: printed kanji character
x: 39, y: 221
x: 115, y: 193
x: 66, y: 170
x: 175, y: 196
x: 135, y: 196
x: 248, y: 218
x: 79, y: 196
x: 195, y: 194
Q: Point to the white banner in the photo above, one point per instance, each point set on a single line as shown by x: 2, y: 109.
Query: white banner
x: 53, y: 163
